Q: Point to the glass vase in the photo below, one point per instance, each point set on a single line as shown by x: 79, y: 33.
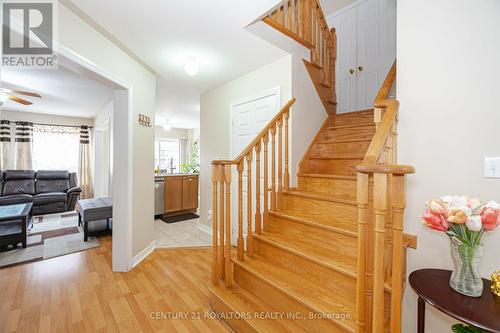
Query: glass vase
x: 465, y: 278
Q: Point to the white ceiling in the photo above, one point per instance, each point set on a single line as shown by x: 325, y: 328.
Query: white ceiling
x: 63, y: 92
x: 164, y: 33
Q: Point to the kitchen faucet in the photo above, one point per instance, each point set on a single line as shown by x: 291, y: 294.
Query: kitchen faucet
x: 171, y: 167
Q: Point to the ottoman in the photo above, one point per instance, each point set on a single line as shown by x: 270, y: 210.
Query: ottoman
x: 94, y: 210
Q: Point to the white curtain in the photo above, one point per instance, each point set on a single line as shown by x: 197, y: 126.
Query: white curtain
x: 24, y: 146
x: 84, y: 164
x: 6, y: 152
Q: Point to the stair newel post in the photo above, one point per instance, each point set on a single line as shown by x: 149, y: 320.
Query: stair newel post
x: 362, y: 193
x: 258, y: 216
x: 265, y: 140
x: 287, y: 171
x: 222, y: 235
x: 249, y: 205
x: 380, y: 208
x: 240, y: 241
x: 398, y: 207
x: 227, y: 256
x: 215, y: 240
x: 280, y: 162
x: 273, y: 168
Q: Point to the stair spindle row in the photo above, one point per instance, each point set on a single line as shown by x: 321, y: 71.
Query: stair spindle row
x: 273, y: 140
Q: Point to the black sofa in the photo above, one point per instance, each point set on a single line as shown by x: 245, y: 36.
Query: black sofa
x: 49, y: 191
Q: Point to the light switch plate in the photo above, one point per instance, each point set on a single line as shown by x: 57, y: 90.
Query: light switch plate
x: 492, y: 167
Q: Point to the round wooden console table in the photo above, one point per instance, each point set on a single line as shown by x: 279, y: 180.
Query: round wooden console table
x: 433, y: 287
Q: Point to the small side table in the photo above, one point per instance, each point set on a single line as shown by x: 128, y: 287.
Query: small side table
x: 433, y: 287
x: 14, y: 221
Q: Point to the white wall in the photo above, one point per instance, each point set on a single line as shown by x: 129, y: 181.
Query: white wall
x: 174, y: 133
x: 15, y: 115
x: 447, y: 79
x: 82, y: 39
x: 214, y: 122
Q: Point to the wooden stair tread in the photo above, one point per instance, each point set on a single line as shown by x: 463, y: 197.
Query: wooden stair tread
x: 310, y: 294
x: 351, y: 126
x: 339, y: 157
x: 299, y: 219
x: 318, y: 254
x: 321, y: 196
x: 355, y: 113
x: 332, y: 141
x: 326, y: 85
x: 324, y: 175
x: 241, y: 300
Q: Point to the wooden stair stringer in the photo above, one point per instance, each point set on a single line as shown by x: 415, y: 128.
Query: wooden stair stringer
x: 325, y: 94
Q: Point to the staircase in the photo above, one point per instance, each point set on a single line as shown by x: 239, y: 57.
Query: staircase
x: 329, y: 254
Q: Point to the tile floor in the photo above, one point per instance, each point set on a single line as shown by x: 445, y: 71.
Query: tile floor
x: 181, y: 234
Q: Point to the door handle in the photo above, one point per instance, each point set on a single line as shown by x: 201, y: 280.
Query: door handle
x: 351, y: 71
x: 360, y: 68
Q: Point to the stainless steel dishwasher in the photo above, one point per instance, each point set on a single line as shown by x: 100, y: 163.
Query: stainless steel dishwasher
x: 159, y: 196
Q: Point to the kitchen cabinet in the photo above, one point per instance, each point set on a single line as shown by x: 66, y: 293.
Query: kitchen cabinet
x: 181, y: 194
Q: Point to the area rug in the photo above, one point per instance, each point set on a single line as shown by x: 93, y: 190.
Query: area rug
x: 179, y: 218
x: 51, y: 236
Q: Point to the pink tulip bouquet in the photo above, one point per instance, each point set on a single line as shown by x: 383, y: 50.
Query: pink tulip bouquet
x: 464, y: 220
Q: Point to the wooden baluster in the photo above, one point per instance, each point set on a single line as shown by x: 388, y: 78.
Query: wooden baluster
x: 289, y: 15
x: 265, y: 140
x: 295, y: 16
x: 313, y: 37
x: 280, y: 162
x: 303, y: 18
x: 273, y: 168
x: 398, y: 191
x: 222, y: 235
x: 240, y: 241
x: 377, y: 116
x: 227, y: 256
x: 287, y: 171
x: 215, y: 240
x: 249, y: 205
x: 380, y: 205
x: 317, y: 44
x: 370, y: 230
x: 362, y: 190
x: 334, y: 57
x: 258, y: 216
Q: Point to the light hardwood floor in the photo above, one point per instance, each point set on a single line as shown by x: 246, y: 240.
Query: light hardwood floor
x: 80, y: 293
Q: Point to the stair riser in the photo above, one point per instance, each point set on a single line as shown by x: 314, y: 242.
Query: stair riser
x: 354, y: 118
x: 281, y: 301
x: 343, y: 167
x: 342, y: 216
x: 222, y: 308
x: 340, y: 246
x: 339, y: 149
x: 334, y: 281
x: 340, y: 188
x: 350, y: 133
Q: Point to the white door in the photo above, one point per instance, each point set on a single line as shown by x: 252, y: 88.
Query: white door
x: 248, y: 117
x: 345, y: 26
x: 376, y: 48
x: 366, y: 49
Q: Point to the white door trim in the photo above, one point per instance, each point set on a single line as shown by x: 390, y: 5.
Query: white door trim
x: 122, y: 197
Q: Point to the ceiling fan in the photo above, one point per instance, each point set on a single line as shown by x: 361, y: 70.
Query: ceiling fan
x: 6, y: 94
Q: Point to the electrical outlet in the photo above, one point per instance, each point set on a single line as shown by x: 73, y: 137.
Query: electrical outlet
x: 492, y: 167
x: 209, y: 214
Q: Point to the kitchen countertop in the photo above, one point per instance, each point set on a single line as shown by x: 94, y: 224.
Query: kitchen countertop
x: 162, y: 175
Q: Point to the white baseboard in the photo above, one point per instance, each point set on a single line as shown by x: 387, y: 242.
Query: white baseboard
x: 142, y: 255
x: 205, y: 228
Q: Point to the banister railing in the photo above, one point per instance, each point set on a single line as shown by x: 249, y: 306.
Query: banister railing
x: 304, y: 21
x: 255, y: 152
x: 382, y: 244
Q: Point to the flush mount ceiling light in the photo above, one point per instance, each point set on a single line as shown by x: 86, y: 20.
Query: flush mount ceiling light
x: 191, y: 66
x: 166, y: 126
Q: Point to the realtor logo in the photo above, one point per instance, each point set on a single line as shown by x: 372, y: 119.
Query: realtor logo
x: 28, y: 34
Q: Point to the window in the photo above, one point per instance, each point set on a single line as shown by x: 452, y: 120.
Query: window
x: 55, y: 147
x: 167, y: 151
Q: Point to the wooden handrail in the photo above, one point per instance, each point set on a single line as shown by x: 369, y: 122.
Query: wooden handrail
x: 386, y: 86
x: 272, y: 142
x: 382, y: 242
x: 272, y: 123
